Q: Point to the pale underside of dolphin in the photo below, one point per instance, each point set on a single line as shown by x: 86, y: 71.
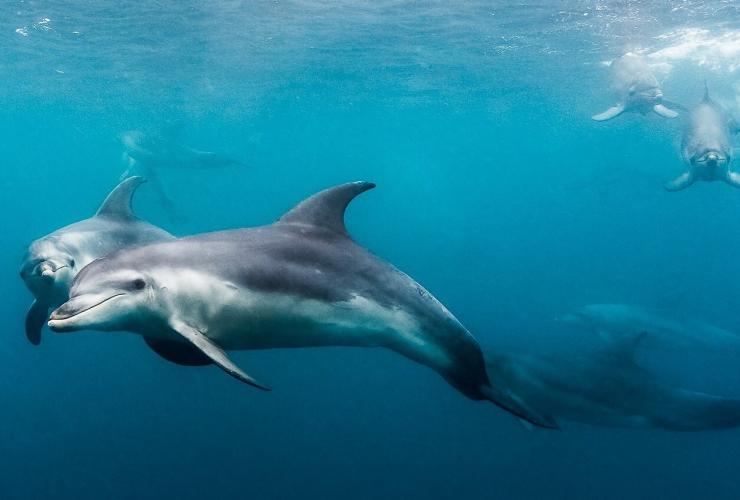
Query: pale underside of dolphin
x: 637, y: 88
x: 52, y: 261
x: 300, y: 282
x: 609, y: 388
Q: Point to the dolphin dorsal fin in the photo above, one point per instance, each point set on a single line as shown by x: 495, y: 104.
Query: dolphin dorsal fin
x: 118, y: 202
x: 326, y: 208
x: 622, y: 349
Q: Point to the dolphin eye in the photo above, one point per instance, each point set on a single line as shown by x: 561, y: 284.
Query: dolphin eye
x: 138, y: 284
x: 71, y: 263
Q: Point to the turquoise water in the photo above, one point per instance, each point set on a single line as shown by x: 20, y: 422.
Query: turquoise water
x: 495, y: 191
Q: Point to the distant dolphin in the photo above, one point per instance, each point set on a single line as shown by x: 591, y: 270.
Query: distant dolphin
x: 609, y: 389
x: 144, y: 154
x: 156, y: 151
x: 633, y: 81
x: 52, y: 262
x: 619, y: 320
x: 300, y: 282
x: 707, y: 146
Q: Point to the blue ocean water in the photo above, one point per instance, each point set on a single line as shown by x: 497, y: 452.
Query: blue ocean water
x: 495, y: 191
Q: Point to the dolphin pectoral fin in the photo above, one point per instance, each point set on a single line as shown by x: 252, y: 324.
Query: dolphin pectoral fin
x: 180, y: 353
x: 36, y: 318
x: 733, y: 179
x: 661, y: 110
x: 675, y: 105
x: 681, y: 182
x: 514, y: 404
x: 214, y: 352
x: 609, y: 113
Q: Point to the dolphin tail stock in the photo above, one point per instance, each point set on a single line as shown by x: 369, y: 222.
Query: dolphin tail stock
x: 706, y: 91
x: 36, y: 318
x: 681, y: 182
x: 696, y: 411
x: 610, y: 113
x: 506, y: 399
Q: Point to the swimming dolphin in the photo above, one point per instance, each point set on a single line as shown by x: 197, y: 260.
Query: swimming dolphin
x: 300, y: 282
x: 144, y: 154
x: 619, y: 320
x: 155, y: 150
x: 637, y: 88
x: 52, y: 262
x: 707, y: 146
x: 608, y: 388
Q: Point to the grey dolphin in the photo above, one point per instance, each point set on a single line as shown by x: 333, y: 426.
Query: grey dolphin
x: 51, y: 263
x: 300, y: 282
x: 144, y: 154
x: 156, y: 151
x: 706, y: 146
x: 637, y: 88
x: 618, y: 320
x: 608, y: 388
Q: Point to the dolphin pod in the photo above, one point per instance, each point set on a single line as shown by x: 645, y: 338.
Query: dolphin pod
x: 300, y: 282
x: 52, y: 262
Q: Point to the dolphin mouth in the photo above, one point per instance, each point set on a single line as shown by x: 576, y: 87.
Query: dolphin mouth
x: 61, y: 319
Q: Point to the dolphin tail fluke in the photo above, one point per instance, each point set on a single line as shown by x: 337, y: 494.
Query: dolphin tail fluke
x: 609, y: 113
x: 36, y: 318
x: 681, y: 182
x: 696, y: 411
x: 661, y: 110
x: 514, y: 404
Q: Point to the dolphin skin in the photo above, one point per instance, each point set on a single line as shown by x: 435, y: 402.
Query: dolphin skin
x: 706, y: 146
x: 609, y: 388
x: 636, y: 87
x: 300, y: 282
x: 52, y: 262
x: 616, y: 320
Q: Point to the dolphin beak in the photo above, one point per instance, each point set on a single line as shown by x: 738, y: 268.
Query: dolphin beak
x: 70, y: 315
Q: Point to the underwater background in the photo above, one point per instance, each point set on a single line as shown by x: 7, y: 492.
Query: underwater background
x: 496, y: 191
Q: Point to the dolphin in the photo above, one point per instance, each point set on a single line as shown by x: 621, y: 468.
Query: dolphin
x: 617, y: 320
x: 51, y: 263
x: 637, y: 88
x: 608, y: 388
x: 706, y: 146
x: 144, y: 154
x: 155, y: 150
x: 300, y: 282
